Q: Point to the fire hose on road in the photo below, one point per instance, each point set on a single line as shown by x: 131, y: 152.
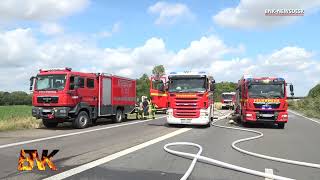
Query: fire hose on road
x: 204, y: 159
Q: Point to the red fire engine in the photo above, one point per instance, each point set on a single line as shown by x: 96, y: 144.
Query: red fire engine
x: 190, y: 98
x: 158, y: 94
x: 228, y: 100
x: 61, y: 95
x: 262, y: 100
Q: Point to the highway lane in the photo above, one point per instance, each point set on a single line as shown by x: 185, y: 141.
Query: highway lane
x: 298, y: 141
x: 79, y: 149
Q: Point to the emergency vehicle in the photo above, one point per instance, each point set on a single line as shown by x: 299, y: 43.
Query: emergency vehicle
x: 262, y: 100
x: 158, y: 93
x: 228, y: 100
x: 63, y: 95
x: 190, y: 98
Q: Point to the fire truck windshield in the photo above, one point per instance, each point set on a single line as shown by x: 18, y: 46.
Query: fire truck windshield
x: 187, y: 85
x: 266, y: 90
x: 50, y: 82
x: 227, y: 96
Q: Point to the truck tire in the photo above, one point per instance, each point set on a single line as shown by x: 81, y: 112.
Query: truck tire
x: 118, y: 118
x: 208, y: 125
x: 49, y: 123
x: 81, y: 121
x: 281, y: 125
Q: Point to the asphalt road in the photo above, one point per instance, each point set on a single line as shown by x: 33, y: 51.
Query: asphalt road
x: 300, y: 140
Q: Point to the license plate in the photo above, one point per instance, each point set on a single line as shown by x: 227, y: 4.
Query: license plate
x: 46, y: 110
x: 185, y: 121
x: 266, y: 115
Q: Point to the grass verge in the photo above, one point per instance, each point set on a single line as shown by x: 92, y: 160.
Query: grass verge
x: 309, y: 107
x: 17, y: 117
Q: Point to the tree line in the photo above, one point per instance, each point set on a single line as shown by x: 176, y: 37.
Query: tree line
x: 15, y: 98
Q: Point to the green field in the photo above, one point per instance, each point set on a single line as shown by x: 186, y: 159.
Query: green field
x: 17, y: 117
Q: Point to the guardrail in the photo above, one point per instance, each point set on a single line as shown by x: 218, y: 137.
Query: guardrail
x: 296, y: 97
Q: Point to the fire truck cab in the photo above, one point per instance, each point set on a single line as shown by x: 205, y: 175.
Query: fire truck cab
x: 190, y: 98
x: 158, y: 93
x: 228, y: 100
x: 262, y: 100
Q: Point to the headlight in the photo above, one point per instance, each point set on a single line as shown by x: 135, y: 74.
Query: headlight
x: 284, y: 115
x: 170, y: 112
x: 249, y: 115
x: 204, y: 113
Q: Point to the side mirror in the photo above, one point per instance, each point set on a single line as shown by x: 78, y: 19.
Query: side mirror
x: 31, y: 83
x: 212, y: 87
x: 291, y: 90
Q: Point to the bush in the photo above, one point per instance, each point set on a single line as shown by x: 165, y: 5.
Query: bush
x: 314, y: 92
x: 310, y: 106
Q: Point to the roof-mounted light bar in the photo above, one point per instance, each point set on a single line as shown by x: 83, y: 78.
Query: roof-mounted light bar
x: 56, y: 69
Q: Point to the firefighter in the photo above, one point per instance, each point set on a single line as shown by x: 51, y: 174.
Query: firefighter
x: 152, y: 110
x: 145, y: 105
x: 140, y: 110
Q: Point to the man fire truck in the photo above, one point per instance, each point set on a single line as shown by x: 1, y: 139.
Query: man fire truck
x: 228, y: 100
x: 158, y: 94
x: 61, y: 95
x: 262, y: 100
x: 190, y: 98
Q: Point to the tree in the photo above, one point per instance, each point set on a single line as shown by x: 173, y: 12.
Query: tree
x: 158, y: 70
x: 223, y: 87
x: 143, y: 86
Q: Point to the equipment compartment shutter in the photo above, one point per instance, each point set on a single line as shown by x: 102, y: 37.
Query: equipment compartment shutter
x: 106, y: 91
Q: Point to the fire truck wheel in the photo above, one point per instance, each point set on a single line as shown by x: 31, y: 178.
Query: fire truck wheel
x: 81, y: 121
x: 281, y: 126
x: 49, y: 124
x: 118, y: 117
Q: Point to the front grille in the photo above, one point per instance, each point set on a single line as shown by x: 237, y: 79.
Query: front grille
x: 47, y: 99
x: 186, y: 108
x: 267, y: 106
x: 261, y: 115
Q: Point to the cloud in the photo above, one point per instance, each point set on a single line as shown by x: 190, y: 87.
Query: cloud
x: 108, y: 33
x: 170, y: 13
x: 22, y: 55
x: 39, y: 10
x: 51, y: 28
x: 249, y: 14
x: 295, y: 64
x: 203, y: 52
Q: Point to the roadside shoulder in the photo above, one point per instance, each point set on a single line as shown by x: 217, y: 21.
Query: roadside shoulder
x: 300, y: 114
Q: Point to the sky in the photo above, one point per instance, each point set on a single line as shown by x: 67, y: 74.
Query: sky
x: 224, y: 38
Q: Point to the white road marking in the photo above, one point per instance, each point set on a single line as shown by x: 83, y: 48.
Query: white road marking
x: 303, y: 116
x: 268, y: 171
x: 111, y: 157
x: 72, y: 134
